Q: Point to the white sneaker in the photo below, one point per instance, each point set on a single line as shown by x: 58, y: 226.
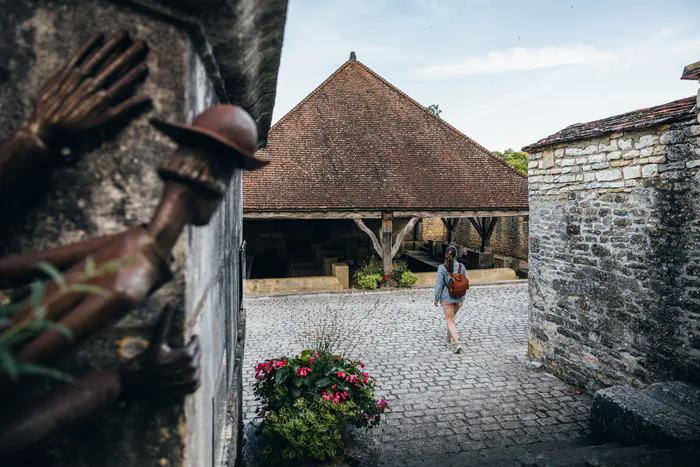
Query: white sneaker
x: 458, y: 349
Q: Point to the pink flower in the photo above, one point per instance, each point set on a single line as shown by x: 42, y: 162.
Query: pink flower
x: 341, y: 374
x: 303, y: 371
x: 365, y: 380
x: 259, y: 376
x: 311, y: 359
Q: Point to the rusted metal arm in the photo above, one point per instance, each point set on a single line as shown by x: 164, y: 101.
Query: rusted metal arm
x: 157, y: 372
x: 20, y: 269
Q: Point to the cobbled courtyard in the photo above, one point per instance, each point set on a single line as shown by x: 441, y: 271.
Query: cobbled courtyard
x: 444, y: 407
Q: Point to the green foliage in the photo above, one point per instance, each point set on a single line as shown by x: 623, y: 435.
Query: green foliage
x: 517, y: 159
x: 367, y: 281
x: 406, y: 279
x: 34, y: 323
x: 402, y: 275
x: 308, y: 431
x: 370, y: 275
x: 304, y: 399
x: 434, y: 109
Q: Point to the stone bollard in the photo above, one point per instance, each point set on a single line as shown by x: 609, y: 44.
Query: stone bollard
x: 341, y: 271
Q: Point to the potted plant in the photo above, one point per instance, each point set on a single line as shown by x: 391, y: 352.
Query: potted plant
x: 306, y: 399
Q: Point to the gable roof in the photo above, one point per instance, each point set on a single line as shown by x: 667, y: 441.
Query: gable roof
x: 635, y: 120
x: 359, y: 143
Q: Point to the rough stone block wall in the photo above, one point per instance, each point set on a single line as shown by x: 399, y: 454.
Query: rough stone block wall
x: 509, y: 237
x: 433, y: 229
x: 615, y: 258
x: 110, y: 185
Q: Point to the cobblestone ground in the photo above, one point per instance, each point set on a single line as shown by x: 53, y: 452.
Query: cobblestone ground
x: 442, y: 404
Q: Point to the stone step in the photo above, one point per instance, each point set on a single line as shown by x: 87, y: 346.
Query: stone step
x: 664, y: 414
x: 583, y: 456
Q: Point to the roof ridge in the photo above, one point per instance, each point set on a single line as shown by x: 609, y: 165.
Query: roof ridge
x: 443, y: 122
x: 400, y: 93
x: 312, y: 93
x: 617, y: 119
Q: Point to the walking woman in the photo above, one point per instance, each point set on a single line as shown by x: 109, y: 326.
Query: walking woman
x: 449, y: 304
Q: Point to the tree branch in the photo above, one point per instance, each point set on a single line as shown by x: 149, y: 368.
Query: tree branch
x: 373, y: 237
x: 401, y: 235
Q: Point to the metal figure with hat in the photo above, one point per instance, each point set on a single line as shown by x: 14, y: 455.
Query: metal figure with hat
x: 195, y: 178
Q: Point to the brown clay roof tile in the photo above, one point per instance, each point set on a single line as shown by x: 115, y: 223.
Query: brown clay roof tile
x: 638, y: 119
x: 359, y: 143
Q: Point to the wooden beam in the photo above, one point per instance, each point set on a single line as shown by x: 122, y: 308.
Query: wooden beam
x: 401, y: 235
x: 387, y: 248
x: 491, y: 226
x: 253, y: 214
x: 476, y: 225
x: 372, y: 237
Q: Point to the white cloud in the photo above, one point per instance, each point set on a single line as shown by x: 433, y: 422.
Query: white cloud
x: 519, y: 59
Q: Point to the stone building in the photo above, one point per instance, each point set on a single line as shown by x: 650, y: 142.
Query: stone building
x: 614, y: 258
x: 359, y: 148
x: 201, y: 53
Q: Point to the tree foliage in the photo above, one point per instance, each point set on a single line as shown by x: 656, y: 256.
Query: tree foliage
x: 434, y: 109
x: 517, y: 159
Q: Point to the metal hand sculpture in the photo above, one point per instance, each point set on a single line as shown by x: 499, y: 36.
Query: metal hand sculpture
x: 196, y: 176
x: 88, y: 92
x: 158, y: 372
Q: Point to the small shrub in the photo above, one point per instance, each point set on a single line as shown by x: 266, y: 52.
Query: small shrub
x: 402, y: 275
x: 370, y: 275
x: 367, y: 281
x: 304, y: 399
x: 406, y: 279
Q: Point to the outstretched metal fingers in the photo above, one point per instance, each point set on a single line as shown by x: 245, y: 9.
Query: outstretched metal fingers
x: 91, y: 89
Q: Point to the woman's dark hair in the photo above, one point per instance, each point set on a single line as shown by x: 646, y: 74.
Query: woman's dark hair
x: 450, y: 257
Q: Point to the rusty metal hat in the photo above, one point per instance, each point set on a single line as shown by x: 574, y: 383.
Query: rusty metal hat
x: 224, y: 130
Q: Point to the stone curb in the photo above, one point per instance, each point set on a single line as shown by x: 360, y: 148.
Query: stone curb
x: 378, y: 291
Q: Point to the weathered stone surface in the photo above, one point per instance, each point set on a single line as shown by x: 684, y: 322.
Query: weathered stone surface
x: 665, y: 414
x: 112, y: 185
x: 612, y: 257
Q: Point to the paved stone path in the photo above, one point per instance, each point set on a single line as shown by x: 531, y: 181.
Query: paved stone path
x: 442, y: 404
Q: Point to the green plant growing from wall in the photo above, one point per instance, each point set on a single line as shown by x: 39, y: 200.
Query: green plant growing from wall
x: 34, y: 323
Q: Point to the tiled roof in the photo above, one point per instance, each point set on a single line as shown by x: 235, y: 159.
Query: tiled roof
x: 691, y: 72
x: 642, y: 118
x: 358, y: 143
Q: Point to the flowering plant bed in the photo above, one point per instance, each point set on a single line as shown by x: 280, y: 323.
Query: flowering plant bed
x: 306, y: 398
x: 372, y: 275
x: 402, y: 276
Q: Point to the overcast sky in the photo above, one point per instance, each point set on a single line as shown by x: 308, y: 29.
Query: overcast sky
x: 504, y: 72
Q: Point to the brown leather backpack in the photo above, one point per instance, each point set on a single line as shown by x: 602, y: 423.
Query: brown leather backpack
x: 459, y: 283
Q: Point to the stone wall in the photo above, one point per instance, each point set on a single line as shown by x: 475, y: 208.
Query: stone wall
x: 433, y: 229
x: 614, y: 257
x: 110, y: 184
x: 509, y: 237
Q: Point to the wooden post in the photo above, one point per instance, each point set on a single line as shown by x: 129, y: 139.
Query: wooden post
x: 418, y: 231
x: 387, y: 234
x: 484, y: 226
x: 450, y: 224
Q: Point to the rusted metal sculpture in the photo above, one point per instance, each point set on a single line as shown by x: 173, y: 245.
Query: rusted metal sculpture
x: 158, y: 372
x: 87, y: 93
x: 195, y: 178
